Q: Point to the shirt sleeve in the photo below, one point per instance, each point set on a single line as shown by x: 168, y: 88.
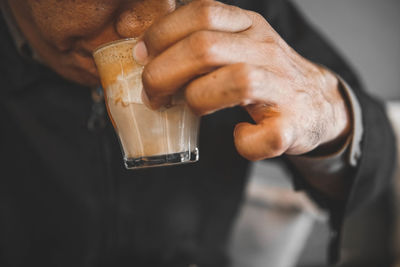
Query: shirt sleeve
x: 367, y: 212
x: 339, y: 164
x: 342, y: 164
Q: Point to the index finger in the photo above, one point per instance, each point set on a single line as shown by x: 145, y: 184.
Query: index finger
x: 195, y: 16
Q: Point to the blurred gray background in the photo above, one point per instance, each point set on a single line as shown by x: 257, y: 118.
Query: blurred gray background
x: 367, y: 33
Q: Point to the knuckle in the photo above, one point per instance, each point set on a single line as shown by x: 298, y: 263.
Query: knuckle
x: 274, y: 144
x: 150, y: 81
x: 246, y: 77
x: 197, y: 110
x: 251, y: 156
x: 190, y: 96
x: 193, y: 97
x: 276, y: 148
x: 273, y: 51
x: 244, y: 148
x: 206, y: 12
x: 260, y: 22
x: 256, y: 16
x: 202, y: 45
x: 152, y: 39
x: 277, y: 52
x: 277, y: 144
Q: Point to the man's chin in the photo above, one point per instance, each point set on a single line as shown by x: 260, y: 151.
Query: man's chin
x: 89, y: 83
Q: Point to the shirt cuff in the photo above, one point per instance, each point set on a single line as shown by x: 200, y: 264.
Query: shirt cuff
x: 356, y: 115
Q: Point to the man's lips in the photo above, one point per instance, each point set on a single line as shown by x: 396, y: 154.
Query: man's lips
x: 86, y: 63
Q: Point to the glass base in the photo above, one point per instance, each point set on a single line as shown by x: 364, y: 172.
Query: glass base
x: 162, y: 160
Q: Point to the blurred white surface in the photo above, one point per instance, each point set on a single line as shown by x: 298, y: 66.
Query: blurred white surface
x: 393, y: 110
x: 275, y: 222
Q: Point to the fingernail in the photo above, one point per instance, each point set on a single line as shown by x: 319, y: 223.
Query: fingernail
x: 140, y: 53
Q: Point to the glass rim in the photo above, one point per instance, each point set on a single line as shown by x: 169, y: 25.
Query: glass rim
x: 101, y: 47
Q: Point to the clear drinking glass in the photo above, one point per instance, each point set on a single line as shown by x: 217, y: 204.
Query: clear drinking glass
x: 148, y: 137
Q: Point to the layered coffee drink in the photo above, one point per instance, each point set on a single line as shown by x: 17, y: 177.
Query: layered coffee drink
x: 148, y: 137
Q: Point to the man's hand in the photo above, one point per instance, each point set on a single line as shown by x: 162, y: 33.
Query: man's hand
x: 223, y: 56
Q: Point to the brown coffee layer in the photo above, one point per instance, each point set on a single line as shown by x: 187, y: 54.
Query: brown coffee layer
x: 115, y: 59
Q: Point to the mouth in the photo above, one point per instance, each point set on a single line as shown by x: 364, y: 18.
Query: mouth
x: 84, y: 62
x: 82, y: 52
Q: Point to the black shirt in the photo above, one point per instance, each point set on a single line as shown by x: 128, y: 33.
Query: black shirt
x: 65, y: 197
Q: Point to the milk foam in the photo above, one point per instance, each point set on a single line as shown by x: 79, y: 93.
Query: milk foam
x: 127, y: 88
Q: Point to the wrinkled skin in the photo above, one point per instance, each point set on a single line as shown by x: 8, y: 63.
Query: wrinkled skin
x: 222, y: 56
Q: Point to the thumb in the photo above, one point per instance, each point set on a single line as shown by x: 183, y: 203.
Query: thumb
x: 140, y: 53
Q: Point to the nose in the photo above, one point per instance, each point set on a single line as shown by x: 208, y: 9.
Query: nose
x: 86, y: 46
x: 131, y: 19
x: 137, y: 16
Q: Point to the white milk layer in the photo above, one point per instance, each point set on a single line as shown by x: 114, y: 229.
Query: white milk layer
x: 144, y: 132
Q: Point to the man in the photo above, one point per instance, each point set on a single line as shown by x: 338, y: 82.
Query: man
x: 66, y: 199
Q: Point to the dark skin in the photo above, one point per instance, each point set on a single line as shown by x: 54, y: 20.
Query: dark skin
x: 227, y: 57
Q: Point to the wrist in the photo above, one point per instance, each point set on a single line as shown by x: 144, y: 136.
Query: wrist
x: 340, y: 127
